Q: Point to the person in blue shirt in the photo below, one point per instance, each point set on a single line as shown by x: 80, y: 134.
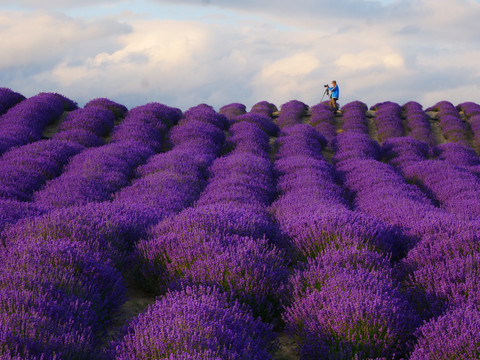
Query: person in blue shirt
x: 333, y: 96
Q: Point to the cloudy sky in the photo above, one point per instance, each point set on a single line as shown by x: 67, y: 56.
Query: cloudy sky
x: 186, y: 52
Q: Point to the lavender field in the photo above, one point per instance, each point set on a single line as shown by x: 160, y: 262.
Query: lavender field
x: 281, y: 233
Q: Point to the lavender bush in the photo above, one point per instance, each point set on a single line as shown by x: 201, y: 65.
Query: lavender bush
x: 196, y: 323
x: 453, y: 335
x: 232, y: 111
x: 8, y: 99
x: 418, y: 123
x: 25, y: 122
x: 388, y: 120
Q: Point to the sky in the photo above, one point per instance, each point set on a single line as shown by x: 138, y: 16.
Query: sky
x: 186, y: 52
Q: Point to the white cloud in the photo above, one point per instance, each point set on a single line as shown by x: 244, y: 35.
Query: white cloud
x: 370, y: 58
x: 40, y: 38
x: 401, y: 51
x: 294, y: 65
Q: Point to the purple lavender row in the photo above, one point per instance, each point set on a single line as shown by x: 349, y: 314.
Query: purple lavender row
x: 88, y: 125
x: 56, y: 299
x: 95, y: 174
x: 173, y: 180
x: 331, y: 310
x: 60, y: 287
x: 454, y: 188
x: 240, y: 187
x: 8, y: 99
x: 291, y: 113
x: 388, y: 120
x: 472, y: 112
x: 460, y: 156
x: 231, y: 111
x: 67, y: 281
x: 438, y: 270
x: 354, y: 119
x: 117, y: 109
x: 450, y: 336
x: 25, y: 122
x: 25, y: 169
x: 457, y: 190
x: 418, y: 122
x: 264, y: 108
x: 218, y: 247
x: 323, y: 120
x: 453, y: 128
x: 195, y: 323
x: 378, y: 187
x: 441, y: 261
x: 147, y: 125
x: 12, y: 211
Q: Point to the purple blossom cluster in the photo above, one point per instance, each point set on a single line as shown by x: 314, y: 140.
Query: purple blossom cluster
x: 264, y: 107
x: 301, y: 140
x: 378, y: 187
x: 227, y: 239
x: 12, y: 211
x: 262, y: 121
x: 108, y: 229
x: 173, y: 180
x: 460, y: 156
x: 404, y: 151
x: 97, y: 173
x: 354, y: 118
x: 346, y: 264
x: 457, y: 190
x: 93, y: 175
x: 206, y: 113
x: 117, y: 109
x: 418, y: 123
x: 291, y: 113
x: 453, y: 335
x: 231, y: 111
x: 196, y: 323
x: 388, y: 120
x: 146, y: 124
x: 25, y: 169
x: 95, y: 119
x: 25, y: 122
x: 323, y: 120
x: 8, y: 99
x: 56, y: 299
x: 247, y: 137
x: 453, y: 128
x: 441, y: 269
x: 352, y: 314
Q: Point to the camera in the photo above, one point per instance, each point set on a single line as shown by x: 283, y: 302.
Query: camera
x: 325, y: 85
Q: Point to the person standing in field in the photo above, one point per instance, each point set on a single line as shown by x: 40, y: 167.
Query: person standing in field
x: 334, y: 92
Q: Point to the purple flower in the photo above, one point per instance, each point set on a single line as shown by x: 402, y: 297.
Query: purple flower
x: 196, y: 321
x: 25, y: 122
x: 388, y: 121
x: 8, y: 99
x: 354, y: 313
x: 454, y: 335
x: 264, y: 107
x: 232, y: 111
x: 117, y: 109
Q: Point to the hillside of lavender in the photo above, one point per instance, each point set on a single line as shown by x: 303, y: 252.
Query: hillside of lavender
x: 274, y: 232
